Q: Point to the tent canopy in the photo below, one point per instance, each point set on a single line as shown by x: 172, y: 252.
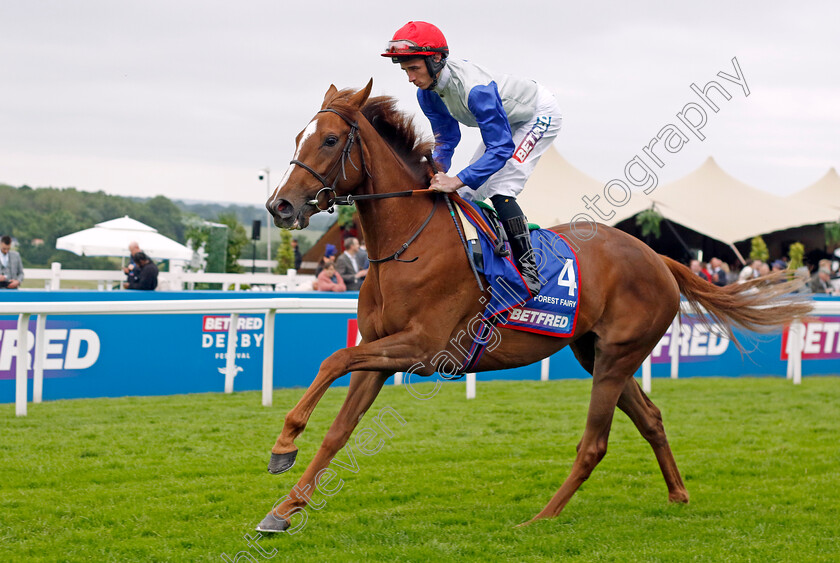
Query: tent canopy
x: 553, y: 194
x: 111, y: 238
x: 713, y: 203
x: 825, y: 191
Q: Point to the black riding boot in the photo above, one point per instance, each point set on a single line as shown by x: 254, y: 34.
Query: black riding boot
x: 516, y: 227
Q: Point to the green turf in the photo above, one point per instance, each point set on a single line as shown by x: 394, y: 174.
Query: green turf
x: 183, y: 478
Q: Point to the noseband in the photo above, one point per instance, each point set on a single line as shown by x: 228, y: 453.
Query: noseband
x: 326, y: 194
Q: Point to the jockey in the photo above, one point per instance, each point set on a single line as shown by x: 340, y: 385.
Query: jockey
x: 518, y: 120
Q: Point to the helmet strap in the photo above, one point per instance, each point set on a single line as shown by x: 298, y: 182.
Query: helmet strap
x: 434, y: 69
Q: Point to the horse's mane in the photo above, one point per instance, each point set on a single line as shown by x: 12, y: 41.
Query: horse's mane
x: 395, y: 127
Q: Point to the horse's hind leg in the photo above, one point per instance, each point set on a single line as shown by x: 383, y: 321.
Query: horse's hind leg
x: 648, y: 419
x: 614, y: 365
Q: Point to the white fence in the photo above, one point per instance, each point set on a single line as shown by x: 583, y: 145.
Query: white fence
x: 176, y: 280
x: 272, y: 306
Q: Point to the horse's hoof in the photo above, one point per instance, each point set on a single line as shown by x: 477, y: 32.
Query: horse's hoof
x: 272, y: 523
x: 679, y: 497
x: 281, y: 463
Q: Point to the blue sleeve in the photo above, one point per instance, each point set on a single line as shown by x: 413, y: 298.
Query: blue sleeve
x: 446, y: 128
x: 486, y: 105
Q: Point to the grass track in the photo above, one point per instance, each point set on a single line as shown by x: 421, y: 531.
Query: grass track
x: 183, y: 478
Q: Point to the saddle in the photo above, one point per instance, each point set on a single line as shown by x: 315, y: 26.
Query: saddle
x: 489, y: 222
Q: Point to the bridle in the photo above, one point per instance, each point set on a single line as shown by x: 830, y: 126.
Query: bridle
x: 327, y: 192
x: 326, y: 200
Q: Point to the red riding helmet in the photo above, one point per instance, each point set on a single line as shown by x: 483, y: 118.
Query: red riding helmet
x: 419, y: 39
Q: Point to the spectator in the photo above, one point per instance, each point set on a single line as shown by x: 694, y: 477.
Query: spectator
x: 825, y: 264
x: 366, y: 264
x: 350, y: 265
x: 779, y: 265
x: 147, y: 278
x: 804, y: 275
x: 728, y: 275
x: 298, y: 257
x: 697, y: 268
x: 756, y: 266
x: 11, y: 267
x: 131, y: 271
x: 746, y: 274
x: 821, y: 282
x: 329, y: 280
x: 763, y: 269
x: 327, y: 258
x: 718, y: 273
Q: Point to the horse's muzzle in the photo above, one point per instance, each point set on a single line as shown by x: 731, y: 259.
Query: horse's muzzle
x: 287, y: 216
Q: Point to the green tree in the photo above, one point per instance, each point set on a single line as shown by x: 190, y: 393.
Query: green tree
x: 197, y: 231
x: 48, y: 213
x: 832, y: 234
x: 236, y: 242
x: 796, y: 255
x: 649, y: 220
x: 345, y: 215
x: 285, y: 253
x: 759, y: 250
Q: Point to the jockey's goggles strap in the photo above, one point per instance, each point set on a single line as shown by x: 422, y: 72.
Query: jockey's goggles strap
x: 408, y: 47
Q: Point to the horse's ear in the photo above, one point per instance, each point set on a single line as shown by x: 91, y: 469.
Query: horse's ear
x: 331, y: 92
x: 359, y: 98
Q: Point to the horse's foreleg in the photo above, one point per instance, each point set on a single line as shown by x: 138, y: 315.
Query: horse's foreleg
x: 648, y: 419
x: 364, y: 387
x: 392, y: 353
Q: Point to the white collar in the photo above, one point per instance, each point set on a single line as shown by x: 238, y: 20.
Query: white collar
x: 443, y: 79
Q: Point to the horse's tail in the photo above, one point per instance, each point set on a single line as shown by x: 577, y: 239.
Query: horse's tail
x: 760, y: 305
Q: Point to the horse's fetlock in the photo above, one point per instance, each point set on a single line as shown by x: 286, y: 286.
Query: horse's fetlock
x: 294, y: 423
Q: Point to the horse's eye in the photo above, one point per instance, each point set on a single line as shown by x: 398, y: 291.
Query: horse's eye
x: 331, y: 141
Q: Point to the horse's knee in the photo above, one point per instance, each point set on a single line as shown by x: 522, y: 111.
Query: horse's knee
x: 335, y: 363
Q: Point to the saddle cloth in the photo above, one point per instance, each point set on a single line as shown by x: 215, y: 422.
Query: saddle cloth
x: 554, y: 311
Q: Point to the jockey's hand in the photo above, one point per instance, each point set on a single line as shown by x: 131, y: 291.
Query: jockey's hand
x: 446, y: 184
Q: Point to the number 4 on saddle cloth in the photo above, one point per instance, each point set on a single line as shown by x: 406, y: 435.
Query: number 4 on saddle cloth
x: 554, y: 311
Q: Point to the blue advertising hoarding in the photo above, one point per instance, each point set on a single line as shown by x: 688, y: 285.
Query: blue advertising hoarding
x: 164, y: 354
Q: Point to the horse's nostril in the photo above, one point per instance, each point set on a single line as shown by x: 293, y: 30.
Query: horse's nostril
x: 283, y: 209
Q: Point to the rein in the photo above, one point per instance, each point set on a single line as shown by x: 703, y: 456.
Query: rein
x: 326, y: 198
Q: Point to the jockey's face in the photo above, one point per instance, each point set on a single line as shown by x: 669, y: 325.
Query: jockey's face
x: 417, y: 72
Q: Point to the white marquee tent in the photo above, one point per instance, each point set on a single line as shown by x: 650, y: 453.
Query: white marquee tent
x: 713, y: 203
x: 111, y: 238
x: 825, y: 191
x: 553, y: 194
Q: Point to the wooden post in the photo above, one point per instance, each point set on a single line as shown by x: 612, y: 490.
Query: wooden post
x: 230, y: 364
x: 646, y: 375
x: 268, y: 358
x: 676, y: 342
x: 22, y: 361
x: 470, y: 386
x: 40, y: 356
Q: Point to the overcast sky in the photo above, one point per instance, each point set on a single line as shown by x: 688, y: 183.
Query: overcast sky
x: 190, y: 98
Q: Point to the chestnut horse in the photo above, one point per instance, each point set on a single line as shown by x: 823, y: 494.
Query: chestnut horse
x: 413, y: 308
